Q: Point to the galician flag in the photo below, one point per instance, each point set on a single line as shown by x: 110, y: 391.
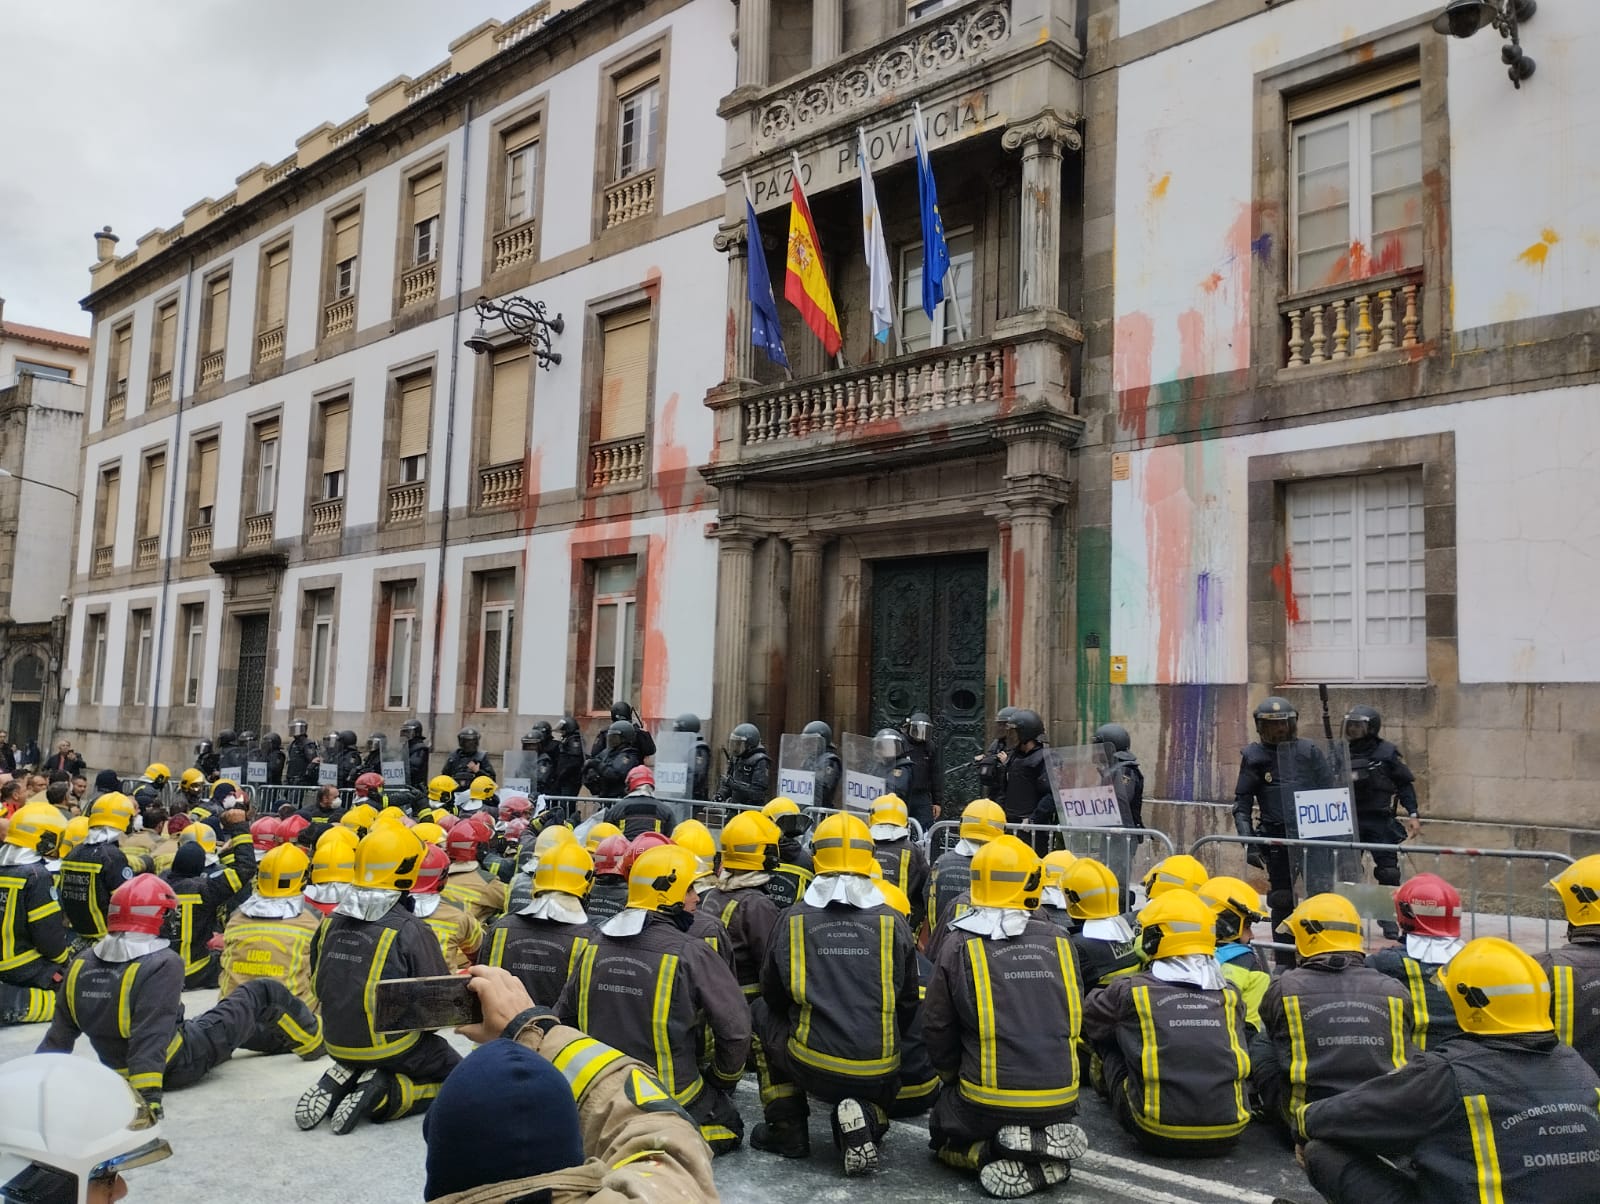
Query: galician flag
x: 880, y: 288
x: 804, y: 284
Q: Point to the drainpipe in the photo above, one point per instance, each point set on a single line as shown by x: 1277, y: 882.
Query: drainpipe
x: 450, y: 418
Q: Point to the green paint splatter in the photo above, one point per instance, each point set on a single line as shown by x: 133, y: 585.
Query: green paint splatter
x: 1094, y: 614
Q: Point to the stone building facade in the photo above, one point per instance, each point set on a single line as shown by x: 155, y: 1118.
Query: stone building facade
x: 307, y: 497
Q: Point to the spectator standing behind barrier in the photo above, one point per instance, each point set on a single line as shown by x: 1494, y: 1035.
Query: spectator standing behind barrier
x: 8, y: 754
x: 1574, y: 969
x: 1503, y: 1112
x: 64, y: 760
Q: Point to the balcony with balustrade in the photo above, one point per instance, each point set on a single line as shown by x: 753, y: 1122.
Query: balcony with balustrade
x: 327, y: 518
x: 630, y: 198
x: 420, y: 284
x: 258, y: 531
x: 1377, y: 320
x: 161, y: 389
x: 616, y: 464
x: 499, y: 485
x: 269, y: 345
x: 408, y: 502
x: 515, y: 245
x: 339, y: 316
x: 103, y: 557
x: 199, y: 545
x: 148, y: 553
x: 117, y: 402
x: 211, y: 367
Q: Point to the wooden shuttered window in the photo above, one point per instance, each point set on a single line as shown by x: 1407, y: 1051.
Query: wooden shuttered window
x: 508, y: 405
x: 121, y: 353
x: 206, y: 492
x: 155, y: 495
x: 416, y: 409
x: 425, y: 190
x: 217, y: 293
x: 275, y: 294
x: 335, y: 435
x: 110, y: 500
x: 1353, y: 89
x: 625, y: 378
x: 166, y: 337
x: 346, y: 235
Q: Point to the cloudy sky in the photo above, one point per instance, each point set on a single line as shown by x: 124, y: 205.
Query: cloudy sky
x: 124, y: 114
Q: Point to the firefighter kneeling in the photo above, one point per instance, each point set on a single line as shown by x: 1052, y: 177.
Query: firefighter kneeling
x: 1005, y: 988
x: 839, y: 987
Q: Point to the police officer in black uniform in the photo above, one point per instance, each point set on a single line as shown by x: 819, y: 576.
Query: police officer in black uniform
x: 350, y: 760
x: 700, y: 762
x: 992, y: 761
x: 826, y: 767
x: 230, y: 754
x: 622, y: 712
x: 302, y: 757
x: 1124, y: 774
x: 1027, y: 797
x: 568, y: 757
x: 891, y: 746
x: 468, y: 760
x: 606, y: 773
x: 1263, y: 804
x: 373, y: 761
x: 417, y: 751
x: 205, y: 758
x: 748, y: 780
x: 927, y: 779
x: 537, y: 763
x: 1381, y: 781
x: 272, y: 753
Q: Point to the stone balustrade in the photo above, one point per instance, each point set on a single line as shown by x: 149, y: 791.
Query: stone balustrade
x: 631, y: 198
x: 1354, y: 321
x: 211, y: 368
x: 515, y: 245
x: 148, y: 552
x: 617, y: 463
x: 500, y: 485
x: 117, y: 402
x: 408, y: 502
x: 269, y: 344
x: 161, y: 389
x: 258, y: 531
x: 339, y: 316
x: 419, y: 284
x: 327, y: 518
x: 199, y: 546
x: 429, y: 83
x: 103, y: 557
x: 528, y: 21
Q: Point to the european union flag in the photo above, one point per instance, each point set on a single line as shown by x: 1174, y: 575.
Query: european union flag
x: 765, y: 332
x: 935, y: 254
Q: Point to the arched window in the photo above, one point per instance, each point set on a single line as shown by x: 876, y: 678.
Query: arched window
x: 27, y: 676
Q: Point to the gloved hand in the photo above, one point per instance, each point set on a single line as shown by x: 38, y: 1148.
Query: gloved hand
x: 150, y: 1113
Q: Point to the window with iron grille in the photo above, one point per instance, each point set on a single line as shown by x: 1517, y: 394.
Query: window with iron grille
x: 496, y: 623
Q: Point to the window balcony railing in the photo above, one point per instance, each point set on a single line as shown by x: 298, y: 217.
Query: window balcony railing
x: 515, y: 245
x: 199, y: 543
x: 339, y: 316
x: 631, y: 198
x: 1353, y: 321
x: 419, y: 284
x: 258, y: 531
x: 269, y: 344
x: 102, y: 559
x: 117, y: 402
x: 161, y: 389
x: 617, y: 463
x: 148, y: 552
x: 327, y: 518
x: 408, y: 502
x: 500, y: 485
x: 211, y: 368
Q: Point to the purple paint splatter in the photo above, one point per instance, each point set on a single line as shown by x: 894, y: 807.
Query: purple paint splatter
x: 1262, y: 247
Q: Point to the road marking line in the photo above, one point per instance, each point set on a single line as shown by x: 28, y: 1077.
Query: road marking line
x: 1215, y: 1187
x: 1121, y: 1189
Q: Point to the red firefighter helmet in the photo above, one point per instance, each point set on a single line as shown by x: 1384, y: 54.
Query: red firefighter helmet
x: 446, y: 819
x: 642, y: 843
x: 368, y: 784
x: 513, y: 831
x: 291, y: 828
x: 430, y: 878
x: 140, y: 905
x: 1428, y: 906
x: 640, y: 775
x: 612, y: 856
x: 266, y: 833
x: 466, y: 838
x: 514, y: 805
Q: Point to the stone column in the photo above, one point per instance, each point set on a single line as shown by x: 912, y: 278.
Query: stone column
x: 1030, y: 573
x: 805, y: 612
x: 1041, y: 140
x: 755, y: 26
x: 733, y: 242
x: 827, y: 30
x: 731, y: 676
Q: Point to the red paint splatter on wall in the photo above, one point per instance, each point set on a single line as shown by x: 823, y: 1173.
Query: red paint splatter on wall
x: 1194, y: 357
x: 651, y: 284
x: 673, y: 475
x: 653, y: 689
x: 1211, y: 282
x: 1130, y: 372
x: 1283, y: 582
x: 532, y: 470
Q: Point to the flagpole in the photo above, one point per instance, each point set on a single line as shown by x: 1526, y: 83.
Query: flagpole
x: 752, y: 246
x: 838, y: 356
x: 894, y: 325
x: 949, y: 270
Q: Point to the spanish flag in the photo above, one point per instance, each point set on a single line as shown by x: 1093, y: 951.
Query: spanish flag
x: 804, y: 285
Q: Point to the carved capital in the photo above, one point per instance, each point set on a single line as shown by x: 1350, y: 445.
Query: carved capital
x: 1045, y: 126
x: 730, y: 240
x: 804, y: 543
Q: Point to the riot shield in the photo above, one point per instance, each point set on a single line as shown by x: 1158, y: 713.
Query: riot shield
x: 798, y: 756
x: 864, y: 772
x: 519, y: 769
x: 231, y: 762
x: 1313, y: 783
x: 1080, y: 781
x: 255, y: 771
x: 674, y: 764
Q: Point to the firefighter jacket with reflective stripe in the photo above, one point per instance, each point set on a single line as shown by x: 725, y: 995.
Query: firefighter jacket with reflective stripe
x: 191, y: 927
x: 475, y: 892
x: 1433, y: 1018
x: 88, y: 877
x: 649, y: 995
x: 951, y: 876
x: 269, y: 948
x: 846, y: 978
x: 131, y: 1012
x: 1574, y: 971
x: 708, y: 927
x: 1100, y: 961
x: 459, y: 935
x: 31, y: 925
x: 607, y: 896
x: 994, y: 1009
x: 1485, y: 1120
x: 749, y: 915
x: 639, y: 814
x: 542, y: 953
x: 904, y: 863
x: 1332, y: 1024
x: 1185, y: 1052
x: 349, y: 957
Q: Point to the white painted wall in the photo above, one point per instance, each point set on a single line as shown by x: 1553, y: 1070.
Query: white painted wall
x: 1134, y: 15
x: 43, y: 561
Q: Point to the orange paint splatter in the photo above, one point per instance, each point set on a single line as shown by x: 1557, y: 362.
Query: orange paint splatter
x: 1130, y: 372
x: 672, y: 471
x: 532, y: 470
x: 1158, y: 190
x: 1211, y: 283
x: 1193, y: 355
x: 653, y: 689
x: 1536, y: 254
x: 651, y: 284
x: 1283, y: 582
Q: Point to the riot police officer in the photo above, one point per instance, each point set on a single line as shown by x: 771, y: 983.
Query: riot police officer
x: 1124, y: 774
x: 417, y: 751
x: 537, y: 763
x: 991, y: 762
x: 826, y: 767
x: 350, y: 760
x: 373, y: 761
x: 1263, y: 803
x: 568, y: 757
x: 205, y: 758
x: 927, y: 781
x: 273, y: 755
x: 1380, y: 779
x: 230, y: 754
x: 700, y: 763
x: 606, y: 774
x: 302, y: 757
x: 622, y: 712
x: 468, y: 760
x: 1026, y: 797
x: 748, y: 780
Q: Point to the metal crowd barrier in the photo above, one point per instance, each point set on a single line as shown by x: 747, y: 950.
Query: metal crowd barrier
x: 818, y: 814
x: 1127, y: 852
x: 1503, y: 891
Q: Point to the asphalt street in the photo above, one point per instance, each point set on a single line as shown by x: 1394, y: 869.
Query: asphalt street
x: 234, y: 1139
